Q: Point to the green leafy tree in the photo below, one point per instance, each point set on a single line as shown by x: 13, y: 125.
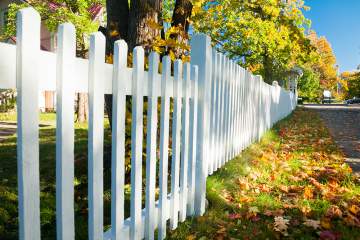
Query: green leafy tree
x: 266, y: 36
x: 309, y: 85
x: 351, y: 81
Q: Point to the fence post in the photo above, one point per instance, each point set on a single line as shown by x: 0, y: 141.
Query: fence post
x: 201, y: 56
x: 27, y: 83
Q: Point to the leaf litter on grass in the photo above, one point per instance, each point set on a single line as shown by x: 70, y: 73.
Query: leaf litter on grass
x: 295, y: 185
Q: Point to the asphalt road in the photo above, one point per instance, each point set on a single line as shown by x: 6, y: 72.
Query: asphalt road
x: 344, y: 125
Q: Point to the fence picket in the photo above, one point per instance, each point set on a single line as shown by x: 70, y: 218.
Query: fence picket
x: 164, y: 141
x: 223, y: 109
x: 184, y: 142
x: 192, y: 140
x: 211, y: 158
x: 96, y: 135
x: 136, y: 143
x: 27, y: 80
x: 176, y: 134
x: 151, y: 147
x: 218, y: 112
x: 118, y: 140
x: 227, y: 110
x: 66, y: 51
x: 201, y: 56
x: 232, y: 109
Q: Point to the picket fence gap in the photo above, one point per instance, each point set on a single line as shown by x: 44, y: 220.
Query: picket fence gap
x: 219, y: 110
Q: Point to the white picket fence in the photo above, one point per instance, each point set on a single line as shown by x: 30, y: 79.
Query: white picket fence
x: 219, y: 109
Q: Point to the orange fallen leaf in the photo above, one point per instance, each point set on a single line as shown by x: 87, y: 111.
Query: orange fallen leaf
x: 308, y: 193
x: 354, y: 209
x: 191, y: 237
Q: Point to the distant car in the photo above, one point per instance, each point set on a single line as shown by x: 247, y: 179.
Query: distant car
x: 354, y: 100
x: 326, y: 97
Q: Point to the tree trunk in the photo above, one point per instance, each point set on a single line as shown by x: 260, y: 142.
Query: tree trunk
x: 141, y: 13
x: 180, y: 18
x: 117, y: 28
x: 117, y: 22
x: 131, y: 24
x: 268, y: 78
x: 82, y: 111
x: 182, y: 13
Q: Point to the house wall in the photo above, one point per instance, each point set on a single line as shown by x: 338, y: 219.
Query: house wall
x: 48, y: 43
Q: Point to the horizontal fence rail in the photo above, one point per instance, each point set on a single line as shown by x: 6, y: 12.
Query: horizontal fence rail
x: 219, y: 109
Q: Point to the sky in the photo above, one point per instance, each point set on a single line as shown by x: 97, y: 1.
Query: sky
x: 339, y: 22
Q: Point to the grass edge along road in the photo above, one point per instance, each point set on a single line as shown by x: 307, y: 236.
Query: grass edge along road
x: 293, y: 184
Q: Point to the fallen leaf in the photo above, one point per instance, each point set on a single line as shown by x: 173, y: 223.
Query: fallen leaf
x: 243, y: 184
x: 234, y: 216
x: 281, y: 225
x: 351, y: 220
x: 308, y: 193
x: 284, y: 188
x: 325, y: 223
x: 354, y: 209
x: 305, y: 210
x: 191, y: 237
x: 312, y: 223
x: 333, y: 212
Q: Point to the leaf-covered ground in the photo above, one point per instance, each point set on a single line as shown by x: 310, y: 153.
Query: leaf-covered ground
x: 294, y: 184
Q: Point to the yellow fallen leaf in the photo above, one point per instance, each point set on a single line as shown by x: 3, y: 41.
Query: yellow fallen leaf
x: 191, y: 237
x: 325, y: 223
x: 354, y: 209
x: 308, y: 193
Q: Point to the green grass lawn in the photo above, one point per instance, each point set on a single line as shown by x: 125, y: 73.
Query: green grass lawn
x: 291, y: 185
x: 8, y: 179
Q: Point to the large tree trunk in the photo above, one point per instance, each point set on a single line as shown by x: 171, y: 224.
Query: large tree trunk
x: 117, y: 28
x: 142, y: 12
x: 117, y: 22
x: 131, y: 23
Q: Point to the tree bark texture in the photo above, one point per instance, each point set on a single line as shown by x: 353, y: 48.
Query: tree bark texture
x: 129, y: 20
x: 83, y: 109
